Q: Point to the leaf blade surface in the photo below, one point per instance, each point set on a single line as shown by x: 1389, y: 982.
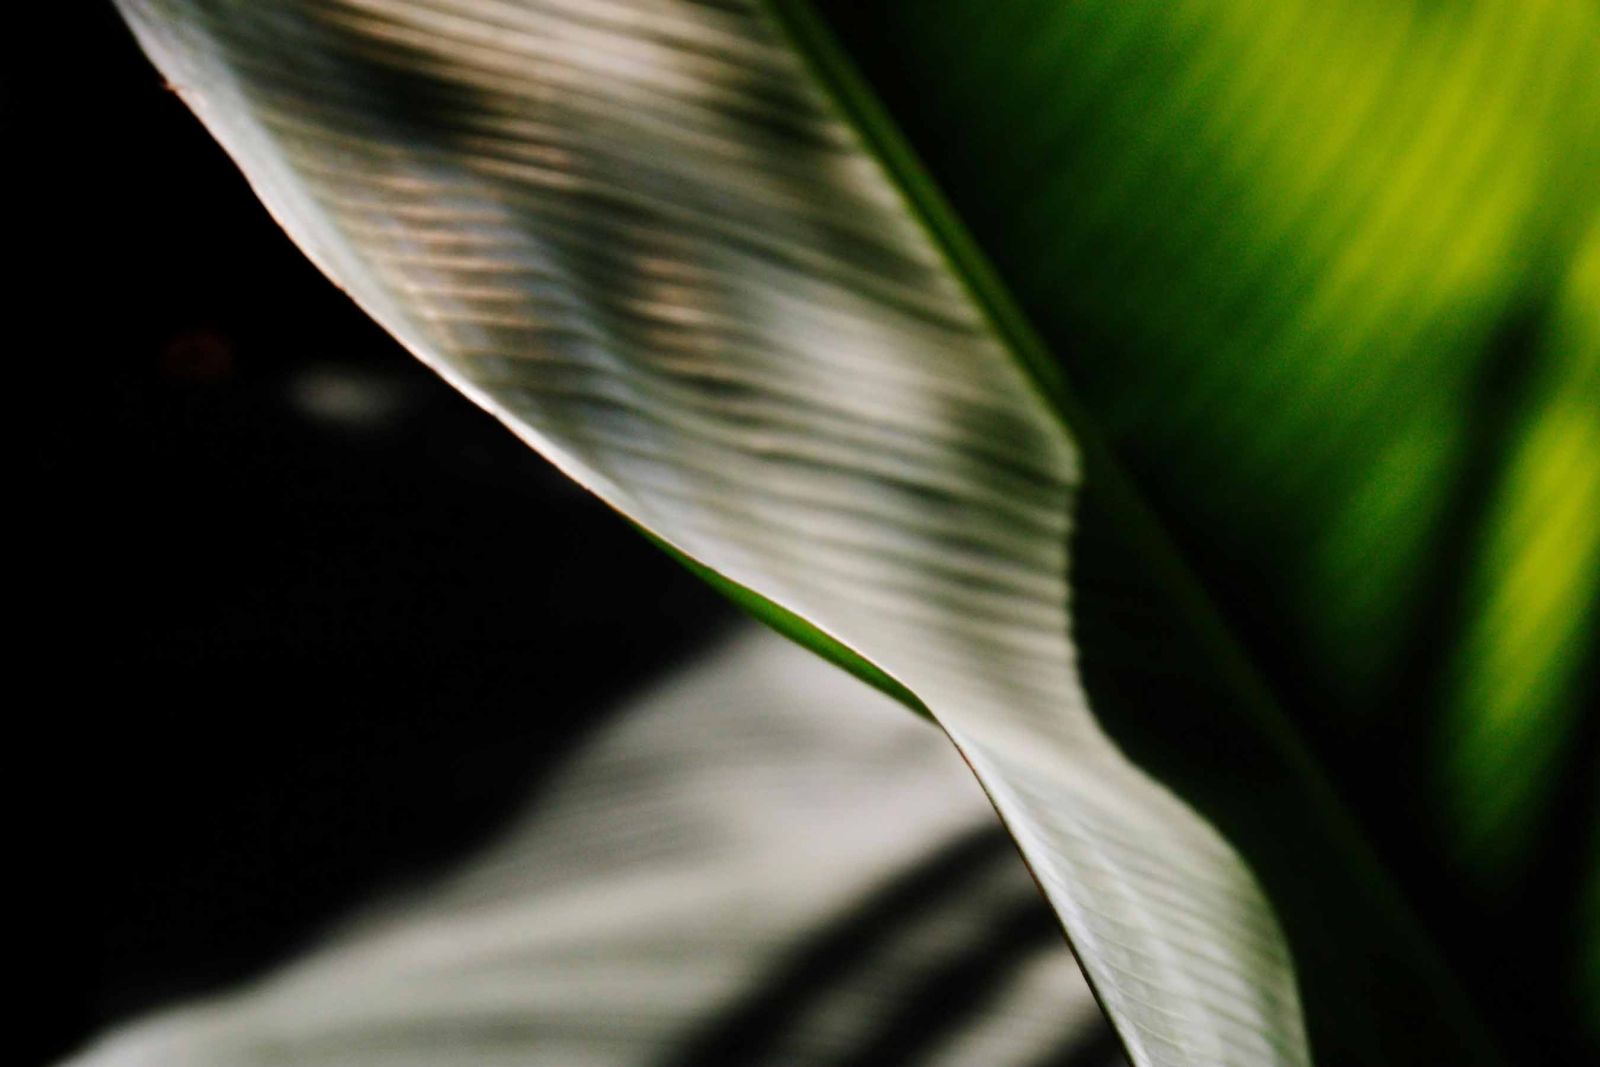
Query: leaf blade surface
x: 640, y: 235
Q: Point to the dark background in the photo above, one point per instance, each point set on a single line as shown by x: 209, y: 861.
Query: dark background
x: 297, y: 619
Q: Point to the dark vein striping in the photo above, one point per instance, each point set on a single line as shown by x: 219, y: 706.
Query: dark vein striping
x: 958, y: 992
x: 755, y: 1026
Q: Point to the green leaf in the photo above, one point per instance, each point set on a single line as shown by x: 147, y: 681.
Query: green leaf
x: 1325, y: 275
x: 644, y: 236
x: 1330, y: 269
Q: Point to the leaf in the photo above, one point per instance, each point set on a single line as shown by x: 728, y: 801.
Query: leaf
x: 756, y: 862
x: 1325, y: 275
x: 1300, y: 247
x: 643, y: 235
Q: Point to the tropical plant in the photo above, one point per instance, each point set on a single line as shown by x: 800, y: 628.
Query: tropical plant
x: 1193, y: 409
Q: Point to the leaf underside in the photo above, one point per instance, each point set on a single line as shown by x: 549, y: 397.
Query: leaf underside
x: 641, y: 235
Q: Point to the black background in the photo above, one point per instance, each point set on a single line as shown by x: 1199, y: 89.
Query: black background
x: 296, y: 620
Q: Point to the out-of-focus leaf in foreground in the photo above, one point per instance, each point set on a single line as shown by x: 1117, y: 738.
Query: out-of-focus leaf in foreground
x: 644, y: 235
x: 759, y: 862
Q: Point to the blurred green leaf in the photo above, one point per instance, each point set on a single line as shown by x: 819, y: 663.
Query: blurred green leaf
x: 1324, y: 274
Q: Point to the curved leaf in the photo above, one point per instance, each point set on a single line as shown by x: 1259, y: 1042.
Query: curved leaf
x: 641, y: 234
